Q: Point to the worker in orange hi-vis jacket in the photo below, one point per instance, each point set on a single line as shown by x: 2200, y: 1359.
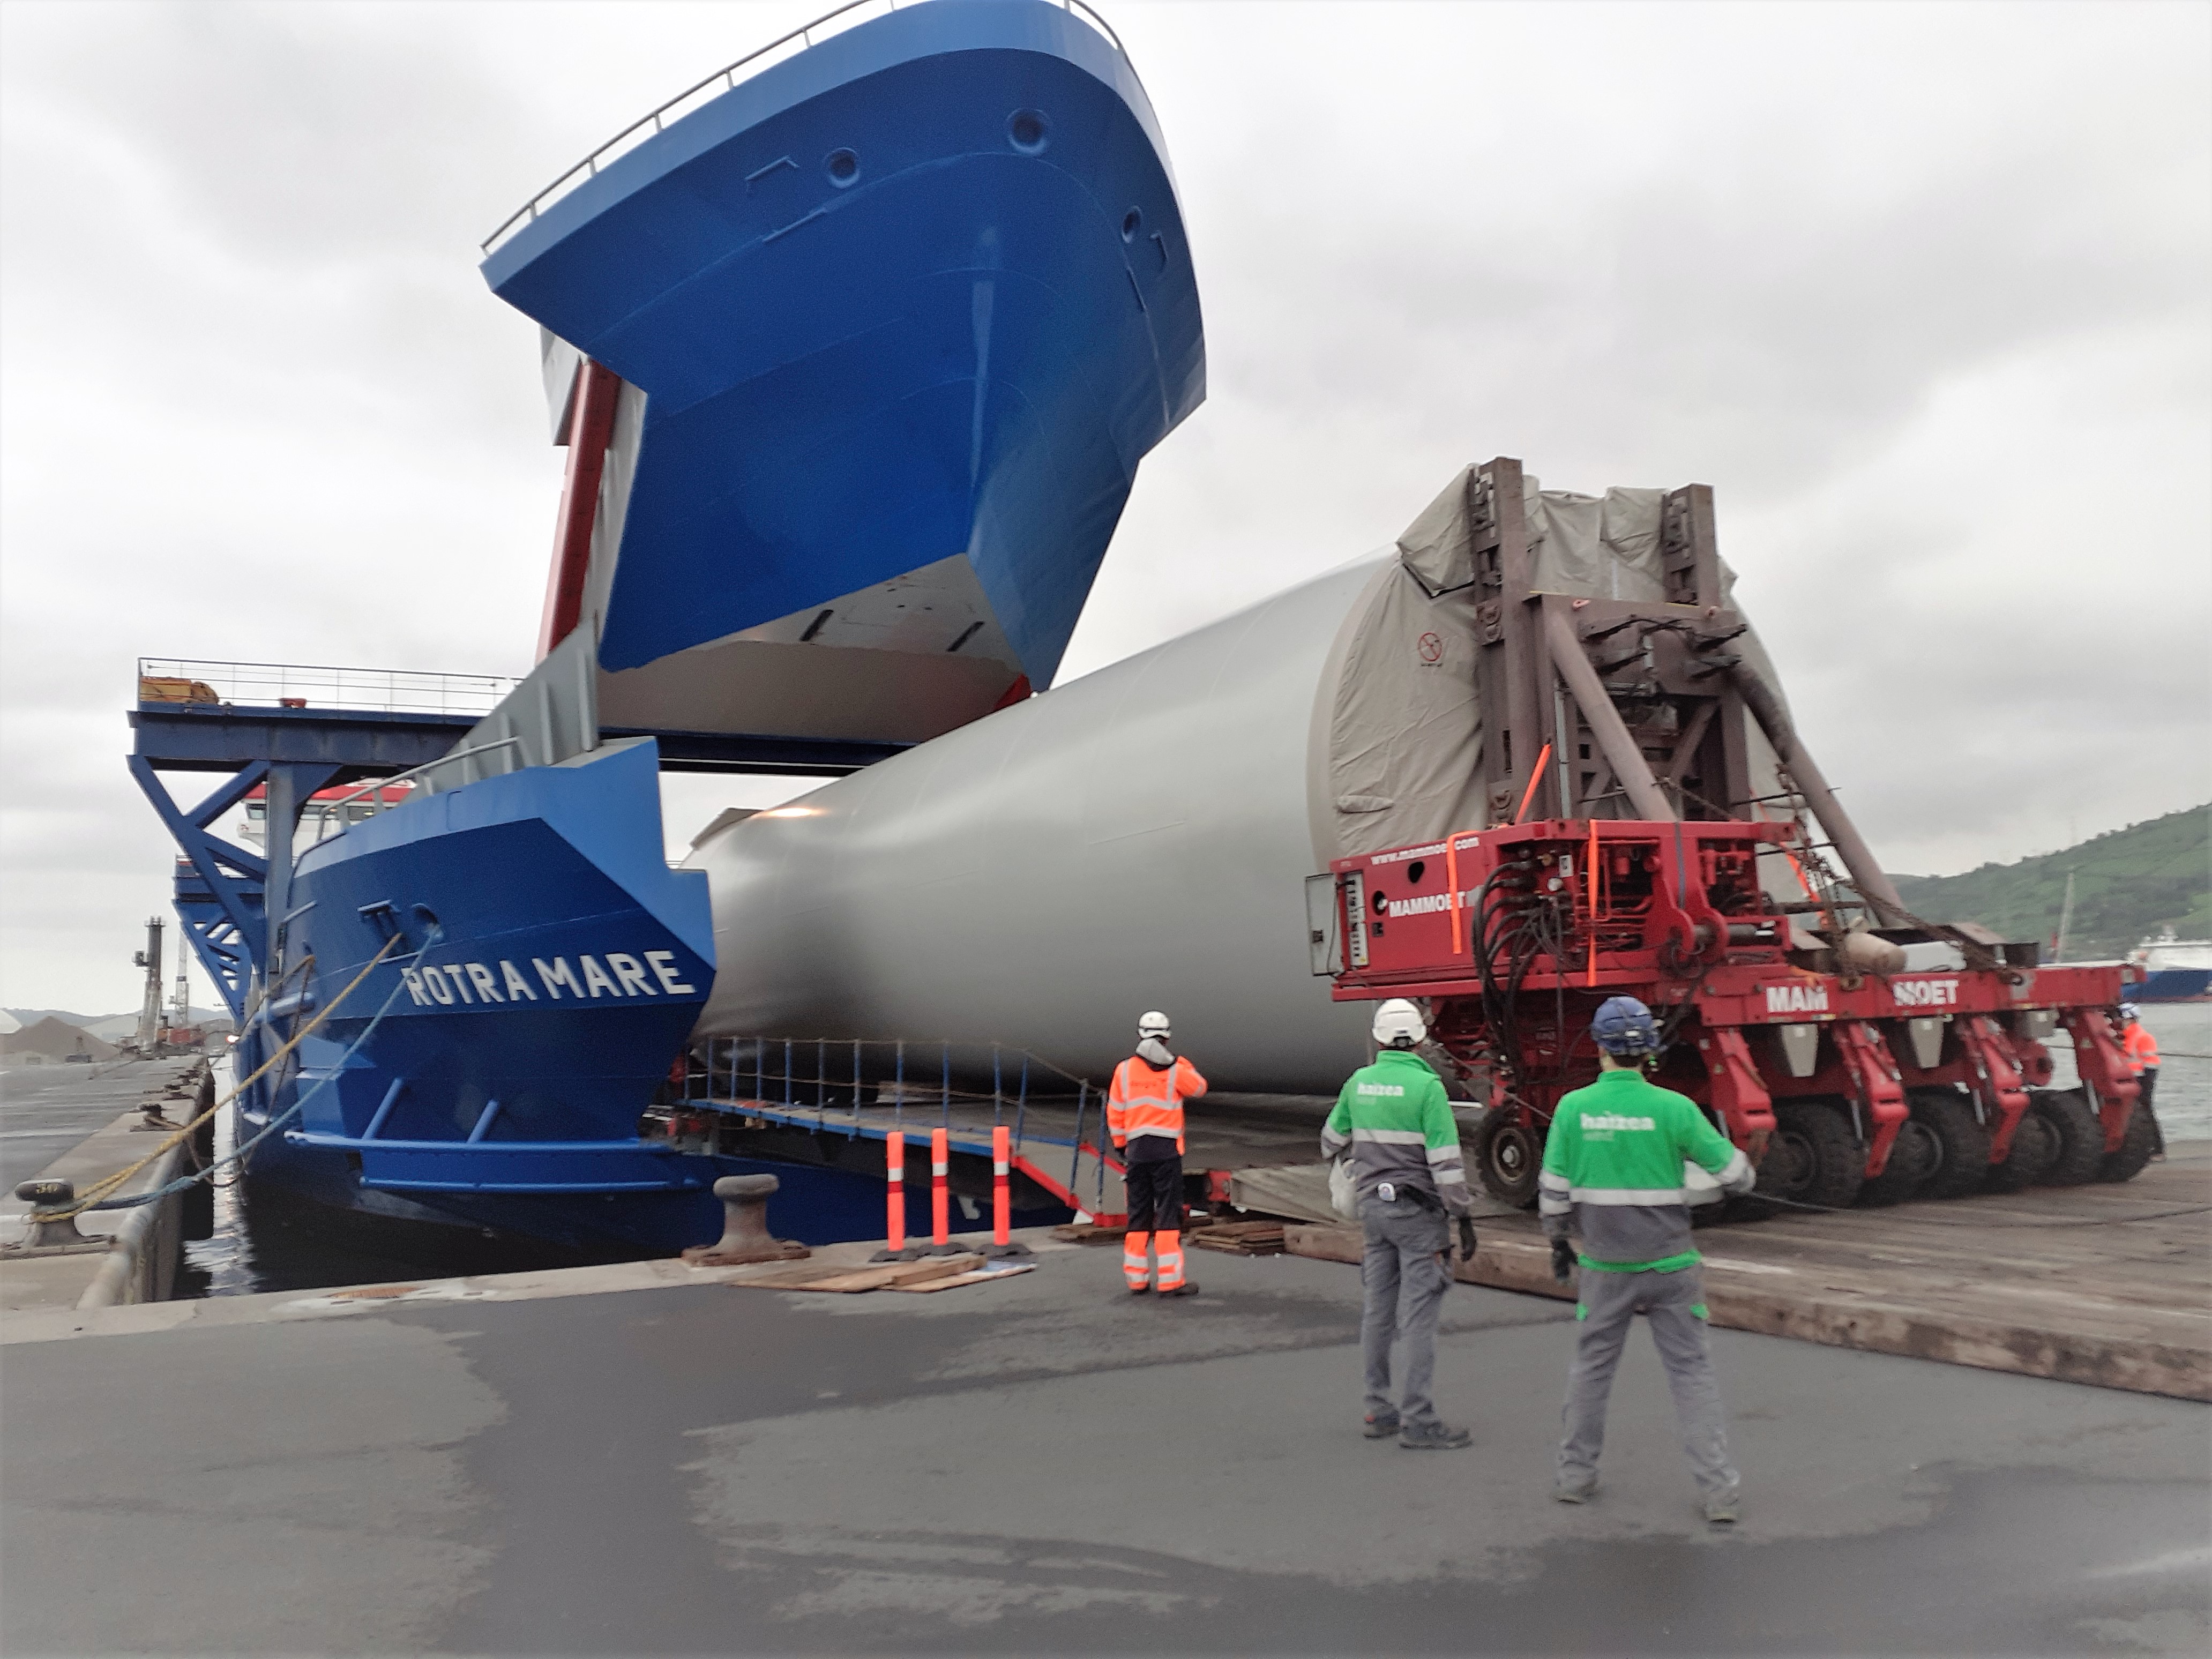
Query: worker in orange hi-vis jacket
x: 1143, y: 1114
x: 2141, y: 1050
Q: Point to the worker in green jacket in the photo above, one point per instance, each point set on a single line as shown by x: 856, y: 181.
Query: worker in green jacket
x: 1615, y: 1166
x: 1395, y: 1121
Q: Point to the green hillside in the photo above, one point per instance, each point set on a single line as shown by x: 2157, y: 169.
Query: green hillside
x: 2127, y: 885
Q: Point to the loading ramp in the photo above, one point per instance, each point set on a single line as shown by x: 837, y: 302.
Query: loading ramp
x: 1059, y: 1143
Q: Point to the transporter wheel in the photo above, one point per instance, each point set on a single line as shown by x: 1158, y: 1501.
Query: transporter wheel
x: 2035, y: 1149
x: 2080, y: 1136
x: 1914, y: 1157
x: 1508, y: 1155
x: 1812, y: 1158
x: 1949, y: 1116
x: 2136, y: 1146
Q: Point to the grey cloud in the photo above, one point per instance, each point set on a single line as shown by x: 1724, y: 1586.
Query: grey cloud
x: 1920, y: 291
x: 304, y: 136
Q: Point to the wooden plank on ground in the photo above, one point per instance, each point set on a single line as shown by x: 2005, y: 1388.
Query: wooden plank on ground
x: 1239, y: 1238
x: 1088, y: 1232
x: 973, y: 1276
x: 850, y: 1281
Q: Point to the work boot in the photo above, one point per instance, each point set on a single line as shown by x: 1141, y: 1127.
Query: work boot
x: 1581, y: 1493
x: 1721, y: 1507
x: 1434, y: 1436
x: 1379, y: 1428
x: 1189, y: 1287
x: 1140, y: 1290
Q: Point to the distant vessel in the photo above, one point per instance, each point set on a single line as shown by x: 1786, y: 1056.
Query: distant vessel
x: 2179, y: 970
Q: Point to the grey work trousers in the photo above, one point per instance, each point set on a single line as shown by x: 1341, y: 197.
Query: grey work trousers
x: 1404, y: 1276
x: 1674, y: 1302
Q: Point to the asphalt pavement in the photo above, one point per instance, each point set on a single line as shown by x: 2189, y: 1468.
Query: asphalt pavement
x: 1048, y: 1464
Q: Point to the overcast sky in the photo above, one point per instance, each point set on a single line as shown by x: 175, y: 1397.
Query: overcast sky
x: 1920, y: 290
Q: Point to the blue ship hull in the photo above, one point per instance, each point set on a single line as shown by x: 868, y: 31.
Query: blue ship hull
x: 919, y: 293
x: 541, y: 970
x: 2174, y: 984
x: 905, y: 312
x: 531, y: 967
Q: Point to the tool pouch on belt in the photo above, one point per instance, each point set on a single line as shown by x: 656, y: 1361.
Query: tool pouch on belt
x: 1420, y: 1197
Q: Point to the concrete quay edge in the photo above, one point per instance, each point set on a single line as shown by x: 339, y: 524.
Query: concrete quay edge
x: 269, y: 1307
x: 141, y: 1244
x: 1739, y: 1301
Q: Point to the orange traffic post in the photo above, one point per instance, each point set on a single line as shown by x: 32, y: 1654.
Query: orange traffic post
x: 941, y: 1223
x: 1001, y: 1202
x: 895, y: 1180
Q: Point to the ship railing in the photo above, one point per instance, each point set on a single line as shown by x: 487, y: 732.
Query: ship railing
x: 376, y: 790
x: 861, y: 1087
x: 298, y: 685
x: 725, y: 80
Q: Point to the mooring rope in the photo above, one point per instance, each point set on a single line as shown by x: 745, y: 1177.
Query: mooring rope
x: 97, y: 1195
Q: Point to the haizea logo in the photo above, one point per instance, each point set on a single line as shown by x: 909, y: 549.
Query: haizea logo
x: 1615, y: 1121
x: 443, y: 985
x: 1381, y: 1089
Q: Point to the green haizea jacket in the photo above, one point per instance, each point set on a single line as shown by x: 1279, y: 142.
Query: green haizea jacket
x: 1397, y: 1120
x: 1612, y: 1172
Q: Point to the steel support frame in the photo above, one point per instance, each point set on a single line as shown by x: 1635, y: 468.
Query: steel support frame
x: 1541, y: 693
x: 1877, y: 1087
x: 220, y: 945
x: 1508, y: 658
x: 1996, y: 1082
x: 1544, y: 700
x: 231, y: 903
x: 2103, y: 1069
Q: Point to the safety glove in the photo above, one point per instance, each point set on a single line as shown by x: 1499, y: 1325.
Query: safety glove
x: 1466, y: 1238
x: 1563, y: 1260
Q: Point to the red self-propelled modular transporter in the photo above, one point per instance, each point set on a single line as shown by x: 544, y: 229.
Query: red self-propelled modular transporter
x: 1853, y: 1051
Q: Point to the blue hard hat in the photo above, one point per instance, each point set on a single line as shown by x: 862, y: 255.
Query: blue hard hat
x: 1625, y: 1026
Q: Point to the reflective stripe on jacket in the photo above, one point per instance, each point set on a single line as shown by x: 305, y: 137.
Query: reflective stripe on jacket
x: 1612, y: 1171
x: 2141, y: 1048
x: 1147, y: 1099
x: 1397, y: 1121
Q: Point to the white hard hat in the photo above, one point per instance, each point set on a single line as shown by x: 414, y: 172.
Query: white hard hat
x: 1398, y: 1024
x: 1154, y: 1024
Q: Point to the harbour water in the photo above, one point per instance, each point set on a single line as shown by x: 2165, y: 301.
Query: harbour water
x: 266, y: 1238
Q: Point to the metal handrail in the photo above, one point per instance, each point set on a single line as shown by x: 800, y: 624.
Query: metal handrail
x: 376, y: 787
x: 391, y: 690
x: 589, y: 167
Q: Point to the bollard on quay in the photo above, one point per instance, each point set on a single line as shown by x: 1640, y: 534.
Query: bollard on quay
x: 746, y: 1237
x: 50, y: 1226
